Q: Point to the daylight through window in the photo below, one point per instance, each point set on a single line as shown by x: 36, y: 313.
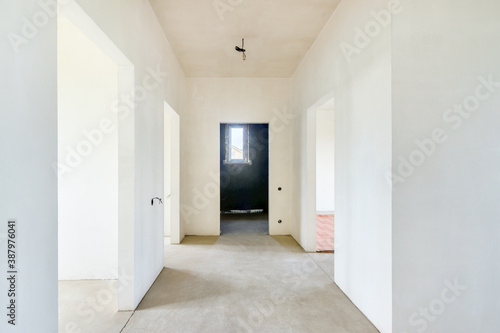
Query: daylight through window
x: 237, y: 144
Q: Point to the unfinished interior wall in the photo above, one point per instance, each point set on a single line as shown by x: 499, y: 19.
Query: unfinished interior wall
x: 215, y: 101
x: 158, y: 78
x: 28, y: 146
x: 446, y: 157
x: 325, y: 159
x: 356, y: 66
x: 173, y: 225
x: 88, y: 158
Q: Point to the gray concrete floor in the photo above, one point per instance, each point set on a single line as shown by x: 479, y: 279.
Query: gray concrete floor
x: 235, y: 283
x: 244, y: 223
x: 90, y: 306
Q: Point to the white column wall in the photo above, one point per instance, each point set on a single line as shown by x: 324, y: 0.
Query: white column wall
x: 28, y: 146
x: 445, y: 215
x: 362, y: 91
x: 215, y: 101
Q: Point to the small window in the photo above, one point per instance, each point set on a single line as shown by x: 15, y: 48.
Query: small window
x: 237, y: 144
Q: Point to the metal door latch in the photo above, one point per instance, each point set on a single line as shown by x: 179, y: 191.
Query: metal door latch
x: 156, y: 198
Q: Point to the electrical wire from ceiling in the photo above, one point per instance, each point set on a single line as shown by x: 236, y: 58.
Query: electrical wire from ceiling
x: 242, y: 48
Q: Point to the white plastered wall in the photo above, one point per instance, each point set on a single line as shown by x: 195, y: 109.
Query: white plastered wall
x: 29, y: 107
x: 362, y: 91
x: 28, y: 146
x: 173, y: 227
x: 445, y: 204
x: 215, y: 101
x: 167, y: 142
x: 133, y: 27
x: 88, y: 158
x: 325, y: 159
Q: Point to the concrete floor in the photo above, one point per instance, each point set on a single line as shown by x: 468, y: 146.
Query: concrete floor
x: 234, y: 283
x: 244, y: 224
x: 90, y: 306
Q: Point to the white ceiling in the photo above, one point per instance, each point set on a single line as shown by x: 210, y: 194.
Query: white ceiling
x: 277, y: 34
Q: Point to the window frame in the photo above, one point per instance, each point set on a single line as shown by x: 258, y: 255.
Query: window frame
x: 246, y: 145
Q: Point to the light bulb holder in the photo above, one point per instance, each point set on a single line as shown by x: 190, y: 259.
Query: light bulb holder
x: 242, y: 48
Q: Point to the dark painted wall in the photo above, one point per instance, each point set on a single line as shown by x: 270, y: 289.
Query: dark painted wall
x: 246, y: 186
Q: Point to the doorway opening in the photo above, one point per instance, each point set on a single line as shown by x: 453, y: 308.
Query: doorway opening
x: 95, y: 174
x: 171, y: 129
x: 321, y: 176
x: 325, y: 177
x: 244, y: 178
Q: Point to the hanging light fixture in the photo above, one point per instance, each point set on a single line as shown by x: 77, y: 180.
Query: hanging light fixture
x: 242, y: 48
